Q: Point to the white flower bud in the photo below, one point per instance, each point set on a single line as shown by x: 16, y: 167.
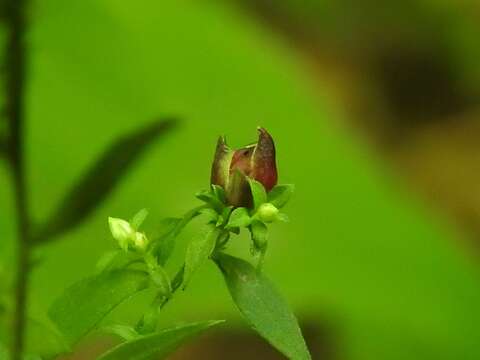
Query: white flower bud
x: 121, y: 231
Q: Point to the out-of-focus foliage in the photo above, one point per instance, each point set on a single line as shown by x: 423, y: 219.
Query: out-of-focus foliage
x: 359, y: 252
x: 100, y: 180
x: 85, y: 304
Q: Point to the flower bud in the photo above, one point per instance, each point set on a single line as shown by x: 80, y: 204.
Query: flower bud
x: 267, y: 213
x: 140, y: 242
x: 231, y: 168
x: 121, y: 231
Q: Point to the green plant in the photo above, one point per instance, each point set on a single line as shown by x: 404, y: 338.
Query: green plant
x: 243, y: 195
x: 139, y: 263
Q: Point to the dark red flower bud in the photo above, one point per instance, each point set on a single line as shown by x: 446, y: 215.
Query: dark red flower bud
x: 232, y: 167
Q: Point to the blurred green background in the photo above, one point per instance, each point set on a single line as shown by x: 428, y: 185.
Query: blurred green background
x: 383, y: 273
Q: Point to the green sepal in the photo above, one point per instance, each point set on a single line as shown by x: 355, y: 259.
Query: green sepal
x: 209, y: 197
x: 210, y: 215
x: 259, y: 233
x: 280, y: 195
x: 239, y: 218
x: 259, y: 194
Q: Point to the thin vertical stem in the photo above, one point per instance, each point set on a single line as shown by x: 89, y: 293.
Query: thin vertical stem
x: 15, y: 60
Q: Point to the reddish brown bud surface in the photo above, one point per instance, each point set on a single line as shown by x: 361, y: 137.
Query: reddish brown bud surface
x: 231, y: 168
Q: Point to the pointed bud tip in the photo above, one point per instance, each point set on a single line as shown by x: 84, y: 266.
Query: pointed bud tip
x: 221, y: 163
x: 264, y: 168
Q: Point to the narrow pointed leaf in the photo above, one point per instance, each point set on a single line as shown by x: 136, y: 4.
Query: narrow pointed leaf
x: 210, y: 215
x: 116, y: 260
x: 139, y: 218
x: 158, y: 345
x: 280, y: 195
x: 161, y: 280
x: 43, y: 338
x: 198, y: 251
x: 99, y: 181
x: 83, y: 305
x: 125, y: 332
x: 164, y: 244
x: 263, y: 307
x: 210, y: 198
x: 107, y: 259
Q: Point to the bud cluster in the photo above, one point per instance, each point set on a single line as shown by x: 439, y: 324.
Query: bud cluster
x: 126, y: 234
x: 244, y: 192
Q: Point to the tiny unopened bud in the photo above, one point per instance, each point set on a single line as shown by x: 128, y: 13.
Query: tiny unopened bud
x: 267, y: 213
x: 121, y: 231
x: 141, y: 242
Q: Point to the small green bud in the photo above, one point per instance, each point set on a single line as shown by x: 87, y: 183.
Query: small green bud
x: 121, y: 231
x: 267, y: 213
x: 141, y: 242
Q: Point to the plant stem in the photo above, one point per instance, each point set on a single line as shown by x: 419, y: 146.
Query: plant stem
x: 15, y: 59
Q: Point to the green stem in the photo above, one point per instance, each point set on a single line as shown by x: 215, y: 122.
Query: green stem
x: 15, y: 60
x: 146, y: 324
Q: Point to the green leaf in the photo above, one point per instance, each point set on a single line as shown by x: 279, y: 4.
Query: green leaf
x: 106, y: 259
x: 259, y: 233
x: 211, y: 199
x: 161, y: 280
x: 43, y: 338
x: 280, y: 195
x: 100, y: 180
x: 83, y: 305
x: 117, y: 259
x: 149, y: 321
x: 223, y: 239
x: 210, y: 214
x: 4, y: 352
x: 263, y: 307
x: 139, y: 218
x: 259, y: 193
x: 125, y: 332
x: 164, y: 244
x: 178, y: 279
x: 189, y: 216
x: 239, y: 218
x: 158, y: 345
x: 198, y: 251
